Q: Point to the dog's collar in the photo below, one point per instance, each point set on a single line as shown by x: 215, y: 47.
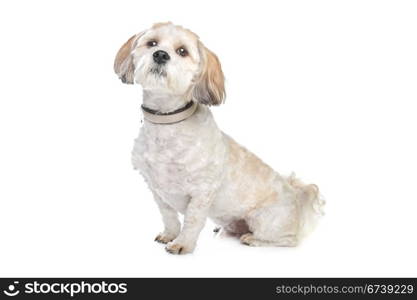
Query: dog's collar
x: 175, y: 116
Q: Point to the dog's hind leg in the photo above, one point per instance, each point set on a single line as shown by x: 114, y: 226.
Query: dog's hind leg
x: 275, y: 223
x: 283, y: 241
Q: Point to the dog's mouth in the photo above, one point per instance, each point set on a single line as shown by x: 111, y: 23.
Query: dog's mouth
x: 158, y: 70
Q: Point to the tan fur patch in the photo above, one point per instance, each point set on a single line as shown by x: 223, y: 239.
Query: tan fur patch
x: 245, y: 162
x: 123, y: 63
x: 209, y: 88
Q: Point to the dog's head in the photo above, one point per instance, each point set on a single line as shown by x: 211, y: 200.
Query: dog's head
x: 168, y: 58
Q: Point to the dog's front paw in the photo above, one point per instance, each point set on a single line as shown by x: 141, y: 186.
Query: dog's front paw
x: 164, y: 238
x: 179, y: 248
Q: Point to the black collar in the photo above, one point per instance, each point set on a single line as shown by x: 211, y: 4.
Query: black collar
x: 171, y: 117
x: 156, y: 112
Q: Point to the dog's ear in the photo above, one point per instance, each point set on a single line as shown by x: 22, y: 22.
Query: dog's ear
x: 209, y: 85
x: 123, y: 63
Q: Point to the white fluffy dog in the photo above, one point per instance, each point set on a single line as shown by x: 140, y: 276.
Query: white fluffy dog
x: 190, y: 165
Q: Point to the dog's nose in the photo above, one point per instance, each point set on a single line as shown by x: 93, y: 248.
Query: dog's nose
x: 160, y: 57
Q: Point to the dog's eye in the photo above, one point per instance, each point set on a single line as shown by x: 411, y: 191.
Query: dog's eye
x: 182, y: 51
x: 152, y: 43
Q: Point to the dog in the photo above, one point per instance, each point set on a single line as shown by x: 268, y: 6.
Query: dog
x: 189, y: 164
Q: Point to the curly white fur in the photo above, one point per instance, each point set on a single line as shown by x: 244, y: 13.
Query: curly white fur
x: 194, y: 168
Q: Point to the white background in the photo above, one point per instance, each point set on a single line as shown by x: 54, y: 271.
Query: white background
x: 323, y: 88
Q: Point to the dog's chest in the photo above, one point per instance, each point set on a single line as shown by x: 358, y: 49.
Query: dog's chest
x: 174, y: 159
x: 161, y: 157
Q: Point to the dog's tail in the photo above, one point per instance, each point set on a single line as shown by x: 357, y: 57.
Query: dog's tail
x: 310, y: 204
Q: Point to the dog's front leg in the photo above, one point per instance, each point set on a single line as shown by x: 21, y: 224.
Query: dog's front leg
x: 172, y: 225
x: 194, y: 219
